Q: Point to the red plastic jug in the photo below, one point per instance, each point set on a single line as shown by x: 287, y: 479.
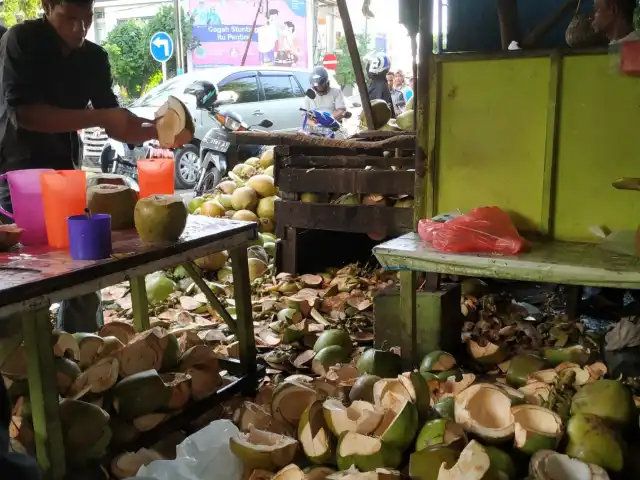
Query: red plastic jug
x: 64, y: 194
x: 156, y: 176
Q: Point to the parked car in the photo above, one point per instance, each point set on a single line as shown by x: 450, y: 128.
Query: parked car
x: 270, y: 92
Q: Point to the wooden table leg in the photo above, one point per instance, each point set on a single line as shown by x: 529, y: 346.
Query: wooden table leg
x: 574, y: 299
x: 244, y: 315
x: 43, y: 393
x: 139, y: 304
x: 408, y: 287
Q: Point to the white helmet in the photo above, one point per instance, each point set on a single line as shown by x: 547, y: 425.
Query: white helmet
x: 379, y: 63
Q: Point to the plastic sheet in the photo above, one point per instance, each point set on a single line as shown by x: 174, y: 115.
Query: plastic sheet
x: 205, y: 454
x: 485, y: 229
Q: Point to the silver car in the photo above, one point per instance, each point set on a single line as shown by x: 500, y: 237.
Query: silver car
x: 270, y: 93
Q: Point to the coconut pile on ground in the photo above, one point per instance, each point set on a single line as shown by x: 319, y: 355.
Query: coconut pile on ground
x: 363, y: 418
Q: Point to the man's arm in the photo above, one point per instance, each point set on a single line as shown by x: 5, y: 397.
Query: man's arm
x: 22, y: 93
x: 340, y: 105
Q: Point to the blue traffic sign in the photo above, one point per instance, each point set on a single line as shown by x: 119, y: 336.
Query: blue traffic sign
x: 161, y: 46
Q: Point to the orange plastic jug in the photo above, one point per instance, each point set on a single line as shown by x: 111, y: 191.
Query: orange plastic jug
x: 156, y: 176
x: 64, y: 194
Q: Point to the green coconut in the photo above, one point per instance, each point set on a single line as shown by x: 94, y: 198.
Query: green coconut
x: 212, y: 208
x: 225, y: 275
x: 592, y: 441
x: 366, y: 453
x: 381, y: 115
x: 575, y: 354
x: 404, y: 203
x: 195, y: 203
x: 159, y: 287
x: 140, y: 394
x: 437, y: 361
x: 405, y: 121
x: 66, y: 373
x: 314, y: 435
x: 380, y: 363
x: 400, y: 422
x: 328, y: 357
x: 269, y: 171
x: 536, y: 428
x: 445, y: 408
x: 521, y: 366
x: 119, y: 201
x: 485, y: 410
x: 160, y: 218
x: 362, y: 389
x: 85, y: 431
x: 473, y: 464
x: 333, y: 337
x: 359, y: 417
x: 259, y: 449
x: 501, y: 467
x: 607, y: 399
x: 289, y: 401
x: 443, y: 432
x: 270, y: 248
x: 425, y: 464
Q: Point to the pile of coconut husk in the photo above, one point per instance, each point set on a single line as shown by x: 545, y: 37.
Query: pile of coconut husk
x: 550, y: 416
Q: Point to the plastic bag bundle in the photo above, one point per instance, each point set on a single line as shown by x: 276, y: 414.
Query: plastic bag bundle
x: 482, y: 230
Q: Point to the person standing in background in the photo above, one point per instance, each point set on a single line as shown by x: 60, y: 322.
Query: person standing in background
x: 397, y: 97
x: 401, y: 84
x: 377, y: 70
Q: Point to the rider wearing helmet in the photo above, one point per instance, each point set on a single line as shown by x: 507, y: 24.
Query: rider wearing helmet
x: 328, y: 98
x: 377, y: 69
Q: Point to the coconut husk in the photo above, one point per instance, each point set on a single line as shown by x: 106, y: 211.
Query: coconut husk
x: 155, y: 349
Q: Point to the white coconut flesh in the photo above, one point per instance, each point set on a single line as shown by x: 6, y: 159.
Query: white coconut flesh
x: 356, y: 444
x: 261, y: 441
x: 397, y: 406
x: 98, y: 378
x: 583, y: 375
x: 473, y: 463
x: 537, y: 420
x: 128, y: 464
x: 382, y: 388
x: 360, y: 417
x: 290, y: 472
x: 314, y: 437
x: 536, y: 393
x: 550, y: 465
x: 290, y: 402
x: 485, y: 409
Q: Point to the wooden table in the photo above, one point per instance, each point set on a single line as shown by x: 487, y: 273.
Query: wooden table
x: 566, y: 263
x: 33, y: 278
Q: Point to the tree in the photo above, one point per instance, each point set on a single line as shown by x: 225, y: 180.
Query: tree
x: 344, y: 70
x: 132, y: 66
x: 15, y: 11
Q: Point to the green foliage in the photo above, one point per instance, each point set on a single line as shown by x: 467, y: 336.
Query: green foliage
x: 344, y: 70
x: 132, y: 66
x: 15, y: 11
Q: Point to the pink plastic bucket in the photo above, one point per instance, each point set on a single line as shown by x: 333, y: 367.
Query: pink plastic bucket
x: 26, y: 199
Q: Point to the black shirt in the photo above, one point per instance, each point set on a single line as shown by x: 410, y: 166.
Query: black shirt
x: 35, y: 69
x: 379, y: 90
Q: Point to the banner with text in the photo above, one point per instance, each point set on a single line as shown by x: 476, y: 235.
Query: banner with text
x: 224, y: 26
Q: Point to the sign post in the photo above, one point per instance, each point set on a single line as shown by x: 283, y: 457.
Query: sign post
x: 330, y: 61
x: 161, y: 48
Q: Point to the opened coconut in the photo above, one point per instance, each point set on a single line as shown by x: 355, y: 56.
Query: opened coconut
x: 98, y: 378
x: 473, y: 464
x: 154, y: 349
x: 244, y: 198
x: 314, y: 435
x: 290, y: 472
x: 441, y: 432
x: 257, y: 268
x: 263, y: 450
x: 366, y: 453
x: 266, y: 207
x: 289, y: 401
x: 380, y: 363
x: 437, y: 361
x: 174, y: 123
x: 425, y: 464
x: 263, y: 185
x: 141, y: 394
x: 550, y: 465
x: 160, y: 218
x: 118, y: 201
x: 360, y: 417
x: 592, y: 441
x: 85, y: 430
x: 400, y: 422
x: 362, y: 388
x: 202, y: 365
x: 485, y: 410
x: 536, y: 428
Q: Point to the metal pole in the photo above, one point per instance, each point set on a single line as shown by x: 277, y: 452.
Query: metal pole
x: 178, y: 40
x: 164, y: 72
x: 253, y: 29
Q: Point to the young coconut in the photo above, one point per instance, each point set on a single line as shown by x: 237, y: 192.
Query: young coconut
x: 98, y: 378
x: 437, y: 361
x: 425, y: 464
x: 607, y: 399
x: 400, y: 422
x: 160, y: 218
x: 366, y: 453
x: 550, y: 465
x: 289, y: 401
x: 259, y: 416
x: 263, y: 450
x: 314, y: 435
x: 536, y: 428
x: 360, y: 417
x: 592, y: 441
x: 441, y: 432
x: 380, y: 363
x: 485, y: 410
x: 473, y: 463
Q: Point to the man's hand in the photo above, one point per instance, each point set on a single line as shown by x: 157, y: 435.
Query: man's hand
x: 120, y: 124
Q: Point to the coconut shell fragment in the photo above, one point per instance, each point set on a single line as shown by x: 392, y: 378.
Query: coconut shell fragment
x: 485, y: 410
x: 366, y: 453
x: 473, y: 464
x: 315, y: 436
x: 536, y: 428
x: 263, y: 450
x: 550, y: 465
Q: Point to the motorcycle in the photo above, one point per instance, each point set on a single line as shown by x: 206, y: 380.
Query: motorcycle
x: 318, y: 123
x: 214, y: 147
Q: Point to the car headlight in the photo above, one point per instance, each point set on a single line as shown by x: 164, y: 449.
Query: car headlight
x: 232, y: 124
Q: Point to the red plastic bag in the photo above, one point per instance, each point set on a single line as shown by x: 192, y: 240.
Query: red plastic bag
x: 485, y: 229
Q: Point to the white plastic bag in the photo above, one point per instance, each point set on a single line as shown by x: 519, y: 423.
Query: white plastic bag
x: 205, y: 454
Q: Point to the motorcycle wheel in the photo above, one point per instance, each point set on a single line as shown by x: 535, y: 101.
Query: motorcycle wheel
x: 209, y: 182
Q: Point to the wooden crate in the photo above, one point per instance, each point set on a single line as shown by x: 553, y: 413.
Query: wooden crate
x: 333, y: 170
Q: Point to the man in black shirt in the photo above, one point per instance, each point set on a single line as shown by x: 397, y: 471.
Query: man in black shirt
x: 49, y: 74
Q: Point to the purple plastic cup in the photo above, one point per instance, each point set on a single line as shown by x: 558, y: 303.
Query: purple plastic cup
x: 90, y: 238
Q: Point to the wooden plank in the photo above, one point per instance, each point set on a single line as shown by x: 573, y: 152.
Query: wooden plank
x: 383, y: 182
x: 297, y: 139
x: 387, y: 221
x: 407, y: 317
x: 244, y: 315
x: 139, y: 303
x: 346, y: 161
x: 553, y: 262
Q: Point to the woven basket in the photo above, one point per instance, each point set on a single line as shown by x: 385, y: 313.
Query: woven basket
x: 580, y: 32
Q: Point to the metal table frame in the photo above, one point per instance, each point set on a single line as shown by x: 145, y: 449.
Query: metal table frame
x: 31, y: 301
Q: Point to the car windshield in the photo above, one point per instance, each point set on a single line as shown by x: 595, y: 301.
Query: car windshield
x: 158, y: 95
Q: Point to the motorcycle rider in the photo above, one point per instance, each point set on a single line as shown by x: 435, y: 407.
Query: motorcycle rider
x: 328, y: 98
x: 377, y: 69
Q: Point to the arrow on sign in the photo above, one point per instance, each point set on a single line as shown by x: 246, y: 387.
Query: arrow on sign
x: 162, y: 43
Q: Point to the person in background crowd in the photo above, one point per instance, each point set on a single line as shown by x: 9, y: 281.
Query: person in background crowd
x: 397, y: 97
x: 328, y: 98
x: 614, y: 18
x: 401, y: 85
x: 377, y: 70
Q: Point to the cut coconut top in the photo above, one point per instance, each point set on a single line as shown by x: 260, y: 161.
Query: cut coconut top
x: 486, y: 405
x: 263, y: 441
x: 473, y: 463
x: 361, y: 417
x: 537, y: 419
x: 550, y: 465
x: 356, y: 444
